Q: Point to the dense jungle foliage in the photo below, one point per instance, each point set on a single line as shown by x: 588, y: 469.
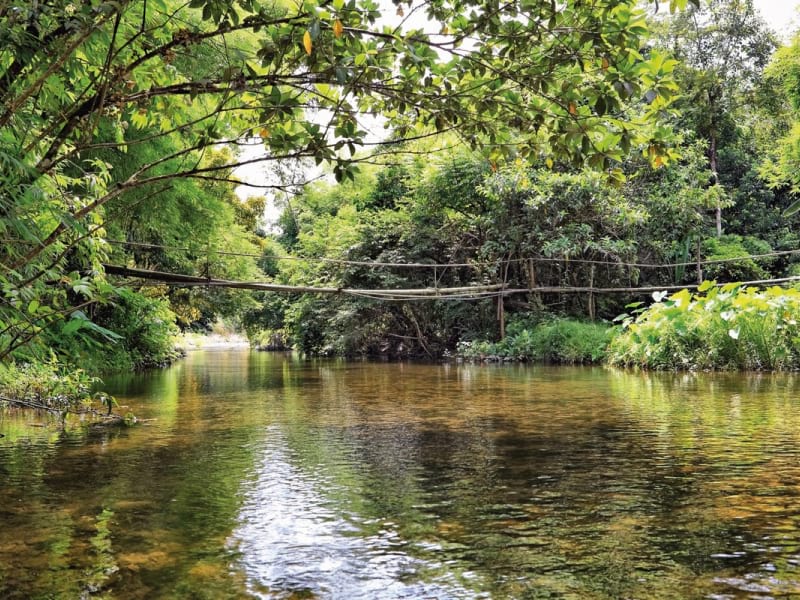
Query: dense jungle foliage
x: 555, y: 226
x: 530, y: 147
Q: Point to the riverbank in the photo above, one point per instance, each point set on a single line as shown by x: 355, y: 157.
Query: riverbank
x: 558, y: 341
x: 191, y: 341
x: 727, y: 328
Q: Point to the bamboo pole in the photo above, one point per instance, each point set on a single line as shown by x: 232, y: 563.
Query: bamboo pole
x: 191, y: 280
x: 534, y: 296
x: 501, y: 316
x: 699, y: 262
x: 416, y: 293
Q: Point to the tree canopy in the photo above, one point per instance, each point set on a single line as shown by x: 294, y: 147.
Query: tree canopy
x: 532, y: 78
x: 723, y: 47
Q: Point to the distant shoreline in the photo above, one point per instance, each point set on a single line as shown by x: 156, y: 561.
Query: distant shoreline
x: 193, y: 341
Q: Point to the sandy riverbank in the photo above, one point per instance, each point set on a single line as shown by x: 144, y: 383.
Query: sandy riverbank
x: 196, y: 341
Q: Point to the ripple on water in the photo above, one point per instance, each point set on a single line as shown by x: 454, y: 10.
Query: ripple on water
x: 293, y: 543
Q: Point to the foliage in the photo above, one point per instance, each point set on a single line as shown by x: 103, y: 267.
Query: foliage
x: 780, y: 165
x: 191, y: 226
x: 596, y: 223
x: 272, y: 340
x: 515, y: 225
x: 454, y: 209
x: 82, y: 84
x: 147, y: 331
x: 563, y: 341
x: 418, y: 222
x: 48, y: 385
x: 717, y: 328
x: 733, y: 246
x: 722, y: 47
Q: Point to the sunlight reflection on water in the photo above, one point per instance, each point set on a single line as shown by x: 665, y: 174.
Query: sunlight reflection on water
x: 293, y: 543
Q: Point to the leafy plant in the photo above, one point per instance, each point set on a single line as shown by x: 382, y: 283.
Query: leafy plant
x: 563, y: 341
x: 146, y: 329
x: 717, y: 328
x: 48, y: 385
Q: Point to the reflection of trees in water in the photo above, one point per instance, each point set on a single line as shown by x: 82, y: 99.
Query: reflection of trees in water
x: 607, y: 475
x: 572, y: 482
x: 172, y: 485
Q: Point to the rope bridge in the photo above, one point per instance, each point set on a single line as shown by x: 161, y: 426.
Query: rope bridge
x: 475, y: 292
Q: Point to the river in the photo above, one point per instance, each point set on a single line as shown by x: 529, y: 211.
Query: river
x: 256, y: 475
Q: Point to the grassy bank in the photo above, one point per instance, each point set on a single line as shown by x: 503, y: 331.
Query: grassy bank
x: 717, y: 328
x: 561, y: 341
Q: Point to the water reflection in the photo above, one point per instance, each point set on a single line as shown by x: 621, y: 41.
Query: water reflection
x: 296, y: 539
x: 267, y: 476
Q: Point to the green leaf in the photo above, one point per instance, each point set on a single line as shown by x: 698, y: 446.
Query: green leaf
x: 706, y: 285
x: 792, y: 210
x: 71, y: 326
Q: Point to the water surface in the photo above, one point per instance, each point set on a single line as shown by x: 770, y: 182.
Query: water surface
x: 264, y: 476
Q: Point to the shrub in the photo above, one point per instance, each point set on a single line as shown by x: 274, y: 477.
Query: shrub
x: 563, y: 341
x: 570, y: 342
x: 727, y: 247
x: 147, y: 328
x: 717, y: 328
x: 48, y: 385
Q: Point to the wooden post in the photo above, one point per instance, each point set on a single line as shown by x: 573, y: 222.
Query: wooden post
x: 591, y: 293
x: 699, y: 262
x: 501, y: 315
x: 501, y: 299
x: 534, y: 296
x: 531, y: 274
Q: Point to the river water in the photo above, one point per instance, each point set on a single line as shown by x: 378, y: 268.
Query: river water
x: 261, y: 475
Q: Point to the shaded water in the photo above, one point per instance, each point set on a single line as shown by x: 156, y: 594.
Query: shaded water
x: 263, y: 476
